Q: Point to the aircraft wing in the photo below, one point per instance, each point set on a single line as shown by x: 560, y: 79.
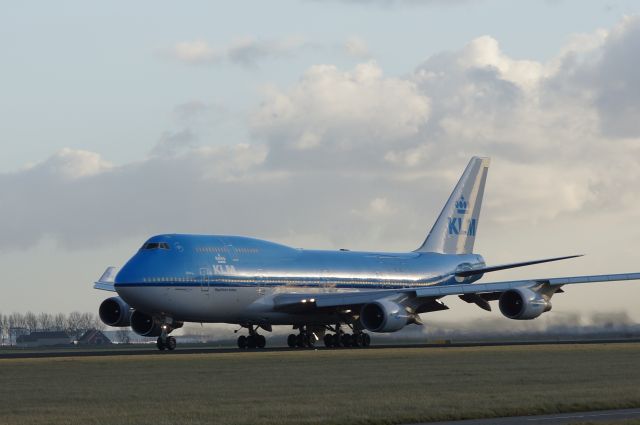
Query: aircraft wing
x: 426, y: 297
x: 107, y: 279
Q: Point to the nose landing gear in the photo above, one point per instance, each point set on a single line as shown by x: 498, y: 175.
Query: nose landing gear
x: 169, y: 343
x: 164, y: 341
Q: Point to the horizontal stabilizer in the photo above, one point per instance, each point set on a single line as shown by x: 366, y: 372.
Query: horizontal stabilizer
x: 475, y: 272
x: 107, y: 280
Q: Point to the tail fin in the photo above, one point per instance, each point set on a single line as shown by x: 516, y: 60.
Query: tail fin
x: 455, y: 229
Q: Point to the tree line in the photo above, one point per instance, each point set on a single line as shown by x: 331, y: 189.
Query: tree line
x: 75, y: 324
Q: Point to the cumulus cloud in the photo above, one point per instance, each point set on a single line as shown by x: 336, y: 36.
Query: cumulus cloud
x: 70, y: 164
x: 355, y: 158
x: 357, y: 48
x: 334, y: 110
x: 247, y: 51
x: 171, y: 143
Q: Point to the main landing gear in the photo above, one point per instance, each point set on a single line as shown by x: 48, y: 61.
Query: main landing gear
x: 308, y: 338
x: 343, y: 339
x: 253, y: 340
x: 305, y: 338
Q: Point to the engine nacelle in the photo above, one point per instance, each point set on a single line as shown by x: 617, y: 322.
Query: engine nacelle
x: 384, y: 316
x: 523, y: 304
x: 143, y: 324
x: 115, y: 312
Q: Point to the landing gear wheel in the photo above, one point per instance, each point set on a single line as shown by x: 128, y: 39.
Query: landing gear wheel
x: 366, y: 340
x: 251, y: 341
x: 261, y: 341
x: 242, y: 342
x: 335, y: 340
x: 291, y: 341
x: 161, y: 345
x: 357, y: 340
x: 171, y: 343
x: 300, y: 341
x: 328, y: 340
x: 346, y: 340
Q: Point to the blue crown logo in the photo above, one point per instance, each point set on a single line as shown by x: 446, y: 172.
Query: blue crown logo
x: 461, y: 205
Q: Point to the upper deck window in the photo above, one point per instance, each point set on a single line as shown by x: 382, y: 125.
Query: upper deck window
x: 156, y: 245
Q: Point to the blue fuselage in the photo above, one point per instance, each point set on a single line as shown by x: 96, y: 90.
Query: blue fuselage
x: 232, y: 261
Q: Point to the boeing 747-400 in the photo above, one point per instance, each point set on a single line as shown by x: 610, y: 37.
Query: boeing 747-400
x: 332, y: 295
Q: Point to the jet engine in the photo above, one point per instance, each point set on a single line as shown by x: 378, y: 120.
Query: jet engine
x: 384, y: 316
x: 143, y: 324
x: 115, y: 312
x: 523, y: 304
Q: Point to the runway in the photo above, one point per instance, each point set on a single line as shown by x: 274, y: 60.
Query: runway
x: 559, y: 419
x: 151, y: 349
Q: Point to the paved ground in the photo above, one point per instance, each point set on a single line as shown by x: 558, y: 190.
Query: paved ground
x: 563, y: 418
x: 151, y: 349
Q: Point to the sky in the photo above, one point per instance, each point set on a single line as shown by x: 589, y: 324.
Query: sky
x: 319, y: 124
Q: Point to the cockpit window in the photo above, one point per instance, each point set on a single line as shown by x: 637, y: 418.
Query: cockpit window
x: 156, y: 245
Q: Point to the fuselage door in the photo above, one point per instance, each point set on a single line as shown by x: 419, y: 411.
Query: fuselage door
x: 205, y: 279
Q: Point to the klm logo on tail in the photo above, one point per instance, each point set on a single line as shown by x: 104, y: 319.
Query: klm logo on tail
x: 455, y: 229
x: 455, y: 223
x: 455, y: 226
x: 461, y: 205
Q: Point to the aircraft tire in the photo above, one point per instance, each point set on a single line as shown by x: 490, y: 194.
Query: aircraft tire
x: 291, y: 341
x: 261, y: 341
x: 366, y: 340
x: 242, y: 342
x: 251, y: 341
x: 335, y: 340
x: 300, y: 341
x: 346, y: 340
x: 357, y: 340
x: 160, y: 344
x: 171, y: 343
x: 328, y: 340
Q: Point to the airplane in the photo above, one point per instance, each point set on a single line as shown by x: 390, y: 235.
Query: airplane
x: 334, y: 295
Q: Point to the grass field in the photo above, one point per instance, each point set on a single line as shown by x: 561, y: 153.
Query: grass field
x: 384, y: 386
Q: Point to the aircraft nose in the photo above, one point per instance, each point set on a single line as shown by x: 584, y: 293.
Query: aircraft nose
x: 131, y: 272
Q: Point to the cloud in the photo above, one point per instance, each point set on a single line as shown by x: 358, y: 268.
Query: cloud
x: 247, y: 51
x: 357, y: 48
x: 355, y: 158
x: 331, y: 110
x: 70, y: 164
x: 196, y: 51
x: 171, y: 143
